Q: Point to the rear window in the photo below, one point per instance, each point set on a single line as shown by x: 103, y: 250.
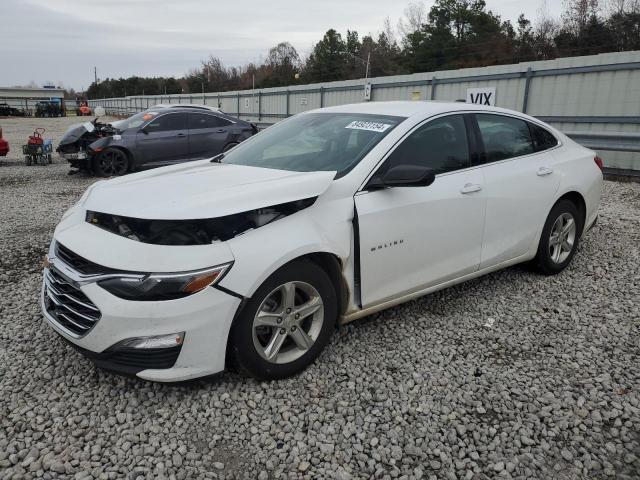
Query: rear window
x: 504, y: 137
x: 542, y: 138
x: 202, y: 120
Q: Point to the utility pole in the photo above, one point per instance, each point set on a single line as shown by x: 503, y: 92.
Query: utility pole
x: 95, y: 75
x: 366, y: 71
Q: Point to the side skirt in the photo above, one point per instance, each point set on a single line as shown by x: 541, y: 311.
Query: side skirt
x: 351, y: 316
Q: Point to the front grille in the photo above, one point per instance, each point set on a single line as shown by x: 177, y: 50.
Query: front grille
x: 78, y: 263
x: 66, y: 303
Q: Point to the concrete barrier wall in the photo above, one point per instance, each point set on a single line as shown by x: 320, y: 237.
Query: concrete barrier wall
x: 596, y: 93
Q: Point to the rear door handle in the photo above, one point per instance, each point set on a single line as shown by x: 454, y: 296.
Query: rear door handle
x: 181, y: 135
x: 470, y: 188
x: 542, y: 171
x: 221, y: 130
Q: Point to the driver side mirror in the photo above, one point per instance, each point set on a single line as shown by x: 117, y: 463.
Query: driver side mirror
x: 403, y: 176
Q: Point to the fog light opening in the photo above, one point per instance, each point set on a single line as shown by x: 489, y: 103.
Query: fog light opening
x: 158, y: 341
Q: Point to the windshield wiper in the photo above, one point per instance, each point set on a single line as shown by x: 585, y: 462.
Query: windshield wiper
x: 218, y: 158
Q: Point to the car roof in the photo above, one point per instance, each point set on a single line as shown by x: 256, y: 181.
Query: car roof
x: 410, y: 108
x: 187, y: 106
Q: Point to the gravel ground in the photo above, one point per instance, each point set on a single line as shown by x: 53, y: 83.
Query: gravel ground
x: 426, y: 390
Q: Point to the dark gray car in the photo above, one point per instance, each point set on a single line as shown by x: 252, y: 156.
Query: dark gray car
x: 156, y: 137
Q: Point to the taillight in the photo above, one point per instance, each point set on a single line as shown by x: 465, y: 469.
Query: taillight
x: 598, y: 161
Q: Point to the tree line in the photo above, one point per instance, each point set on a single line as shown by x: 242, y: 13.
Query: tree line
x: 451, y: 34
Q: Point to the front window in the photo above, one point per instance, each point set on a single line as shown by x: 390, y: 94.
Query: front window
x: 440, y: 144
x: 315, y: 142
x: 167, y: 123
x: 137, y: 120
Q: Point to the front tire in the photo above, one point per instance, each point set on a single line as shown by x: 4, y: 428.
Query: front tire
x: 559, y: 239
x: 111, y: 162
x: 286, y: 323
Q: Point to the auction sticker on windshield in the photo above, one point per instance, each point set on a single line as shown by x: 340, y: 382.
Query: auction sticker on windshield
x: 371, y: 126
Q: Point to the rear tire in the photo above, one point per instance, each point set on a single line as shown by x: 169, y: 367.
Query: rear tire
x: 111, y: 162
x: 286, y: 323
x: 560, y: 238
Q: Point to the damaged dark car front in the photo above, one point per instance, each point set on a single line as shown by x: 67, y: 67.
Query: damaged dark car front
x: 155, y: 137
x: 76, y: 141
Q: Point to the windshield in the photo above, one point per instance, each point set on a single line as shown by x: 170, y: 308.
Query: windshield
x: 314, y: 142
x: 136, y: 120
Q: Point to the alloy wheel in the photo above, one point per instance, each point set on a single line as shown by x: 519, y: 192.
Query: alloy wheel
x: 112, y: 162
x: 288, y: 322
x: 562, y: 238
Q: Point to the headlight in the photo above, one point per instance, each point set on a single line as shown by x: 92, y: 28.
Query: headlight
x: 164, y: 286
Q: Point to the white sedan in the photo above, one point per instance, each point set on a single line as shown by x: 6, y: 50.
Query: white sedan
x: 253, y: 257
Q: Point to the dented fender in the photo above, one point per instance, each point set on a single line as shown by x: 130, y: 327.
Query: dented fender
x: 325, y: 227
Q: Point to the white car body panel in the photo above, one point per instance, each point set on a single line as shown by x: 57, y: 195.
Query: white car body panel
x: 447, y: 236
x: 439, y: 225
x: 322, y: 228
x: 518, y: 202
x: 206, y: 317
x: 203, y: 189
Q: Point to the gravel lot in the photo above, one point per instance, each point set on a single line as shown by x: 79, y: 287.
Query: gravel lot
x: 551, y: 390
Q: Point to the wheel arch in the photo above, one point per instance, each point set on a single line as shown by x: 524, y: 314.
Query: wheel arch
x: 333, y: 266
x: 578, y: 200
x: 127, y: 152
x: 575, y: 197
x: 329, y: 262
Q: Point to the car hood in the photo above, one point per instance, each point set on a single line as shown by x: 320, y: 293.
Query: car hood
x: 74, y: 132
x: 202, y: 189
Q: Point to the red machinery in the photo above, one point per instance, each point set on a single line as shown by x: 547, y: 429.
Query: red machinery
x: 38, y: 150
x: 82, y: 108
x: 4, y: 145
x: 36, y: 138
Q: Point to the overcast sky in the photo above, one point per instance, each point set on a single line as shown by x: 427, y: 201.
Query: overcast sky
x: 60, y: 41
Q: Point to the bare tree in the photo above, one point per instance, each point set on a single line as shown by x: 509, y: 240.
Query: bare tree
x: 415, y: 15
x: 283, y: 55
x: 545, y: 30
x: 613, y: 7
x: 389, y: 32
x: 578, y: 13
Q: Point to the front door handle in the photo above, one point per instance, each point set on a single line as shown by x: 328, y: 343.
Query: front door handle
x: 542, y: 171
x: 470, y: 188
x: 221, y: 130
x: 181, y: 135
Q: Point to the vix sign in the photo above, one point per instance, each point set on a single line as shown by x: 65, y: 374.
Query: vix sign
x: 482, y: 96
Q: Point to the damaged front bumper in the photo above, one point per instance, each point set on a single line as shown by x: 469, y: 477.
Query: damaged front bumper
x: 103, y: 326
x: 203, y: 320
x: 81, y: 155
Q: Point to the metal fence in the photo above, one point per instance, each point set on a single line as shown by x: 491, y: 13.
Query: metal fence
x: 596, y: 99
